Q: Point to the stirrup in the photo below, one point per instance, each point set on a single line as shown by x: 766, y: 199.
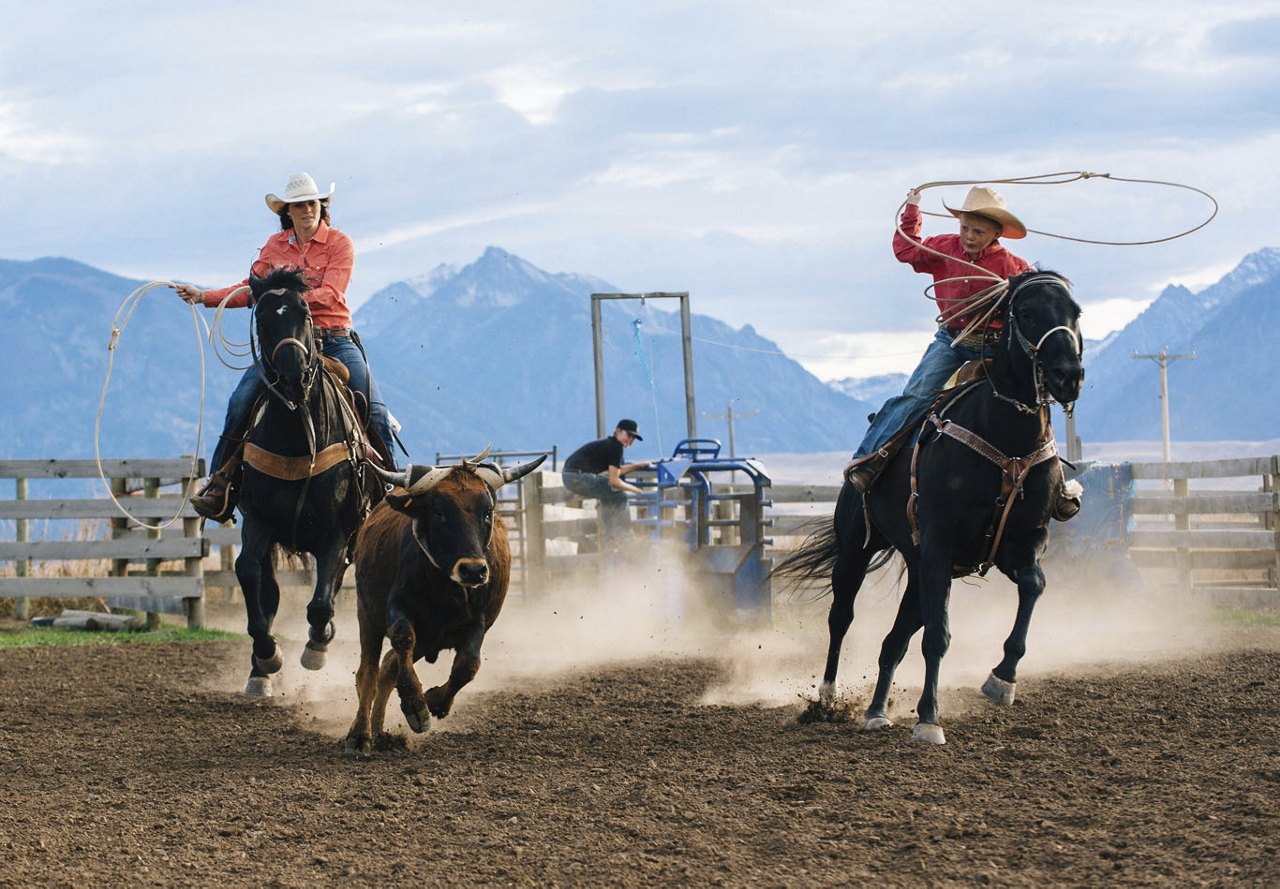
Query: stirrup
x: 214, y: 500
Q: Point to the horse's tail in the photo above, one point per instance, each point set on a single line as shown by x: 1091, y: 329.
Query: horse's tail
x: 815, y: 557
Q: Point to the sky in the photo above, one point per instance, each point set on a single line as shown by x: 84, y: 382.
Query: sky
x: 750, y: 154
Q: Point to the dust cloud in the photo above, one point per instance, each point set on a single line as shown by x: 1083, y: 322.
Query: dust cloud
x: 652, y: 606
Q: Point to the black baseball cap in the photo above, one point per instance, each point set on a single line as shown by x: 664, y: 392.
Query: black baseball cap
x: 630, y: 426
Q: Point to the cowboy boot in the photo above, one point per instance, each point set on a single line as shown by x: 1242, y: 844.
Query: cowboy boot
x: 863, y: 471
x: 1066, y: 496
x: 218, y: 498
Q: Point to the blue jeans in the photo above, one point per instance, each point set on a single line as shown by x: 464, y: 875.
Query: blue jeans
x: 342, y: 348
x: 940, y: 361
x: 615, y: 518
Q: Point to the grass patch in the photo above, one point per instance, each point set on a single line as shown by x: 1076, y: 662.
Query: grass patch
x: 1247, y: 617
x: 38, y: 637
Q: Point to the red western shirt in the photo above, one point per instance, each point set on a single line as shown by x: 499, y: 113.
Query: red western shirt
x: 327, y: 262
x: 994, y: 258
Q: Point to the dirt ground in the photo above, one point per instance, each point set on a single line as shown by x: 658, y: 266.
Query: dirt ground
x: 142, y: 765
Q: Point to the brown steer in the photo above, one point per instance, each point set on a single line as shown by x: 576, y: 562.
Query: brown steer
x: 432, y: 565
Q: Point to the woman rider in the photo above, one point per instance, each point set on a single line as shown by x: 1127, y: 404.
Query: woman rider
x: 326, y: 257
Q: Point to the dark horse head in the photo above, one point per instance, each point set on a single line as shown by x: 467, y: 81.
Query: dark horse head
x: 282, y: 322
x: 1038, y: 355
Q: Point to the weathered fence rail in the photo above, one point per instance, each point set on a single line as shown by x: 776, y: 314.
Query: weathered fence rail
x: 1222, y: 544
x: 159, y: 572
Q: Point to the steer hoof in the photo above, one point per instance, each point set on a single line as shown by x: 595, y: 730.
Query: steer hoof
x: 258, y: 687
x: 929, y: 733
x: 998, y: 691
x: 419, y: 720
x: 875, y: 723
x: 271, y: 664
x: 313, y: 658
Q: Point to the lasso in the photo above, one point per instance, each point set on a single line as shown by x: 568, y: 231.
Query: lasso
x: 118, y: 324
x: 986, y: 302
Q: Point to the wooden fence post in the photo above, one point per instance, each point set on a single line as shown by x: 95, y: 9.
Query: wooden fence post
x: 151, y: 489
x: 22, y: 604
x: 535, y: 535
x: 1182, y: 522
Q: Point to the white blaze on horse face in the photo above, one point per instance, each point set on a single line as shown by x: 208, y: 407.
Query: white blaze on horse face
x: 281, y: 310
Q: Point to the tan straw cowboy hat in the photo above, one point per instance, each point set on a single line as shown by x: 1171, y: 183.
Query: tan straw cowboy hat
x: 301, y: 187
x: 983, y: 201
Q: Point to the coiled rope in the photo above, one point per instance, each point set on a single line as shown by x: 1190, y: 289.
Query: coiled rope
x: 121, y: 320
x: 986, y: 302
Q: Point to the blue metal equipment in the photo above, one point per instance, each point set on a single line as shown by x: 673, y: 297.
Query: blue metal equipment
x: 722, y: 526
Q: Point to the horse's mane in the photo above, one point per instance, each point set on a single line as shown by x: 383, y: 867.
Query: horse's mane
x: 288, y: 278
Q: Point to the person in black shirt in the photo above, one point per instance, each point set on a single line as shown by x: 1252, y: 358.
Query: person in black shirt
x: 595, y: 470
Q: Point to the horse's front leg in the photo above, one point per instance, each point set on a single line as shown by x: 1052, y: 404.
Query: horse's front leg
x: 331, y: 565
x: 1002, y: 682
x: 466, y: 663
x: 935, y: 591
x: 257, y: 578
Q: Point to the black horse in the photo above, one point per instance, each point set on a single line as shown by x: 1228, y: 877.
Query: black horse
x: 957, y: 504
x: 307, y: 485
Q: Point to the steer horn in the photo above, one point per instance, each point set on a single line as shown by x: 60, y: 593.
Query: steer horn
x: 430, y: 477
x: 496, y: 476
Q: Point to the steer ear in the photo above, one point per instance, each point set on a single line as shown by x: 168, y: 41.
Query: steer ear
x: 399, y: 502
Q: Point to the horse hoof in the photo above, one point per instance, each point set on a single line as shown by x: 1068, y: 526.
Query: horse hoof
x: 258, y: 687
x: 313, y: 658
x: 875, y: 723
x: 998, y: 691
x: 928, y: 733
x: 827, y: 694
x: 271, y: 664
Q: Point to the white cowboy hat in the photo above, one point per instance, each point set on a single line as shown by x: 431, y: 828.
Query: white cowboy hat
x: 301, y: 187
x: 983, y: 201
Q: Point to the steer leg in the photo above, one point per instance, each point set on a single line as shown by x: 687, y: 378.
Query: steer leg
x: 412, y: 703
x: 386, y: 683
x: 1001, y: 684
x: 360, y: 736
x: 466, y: 663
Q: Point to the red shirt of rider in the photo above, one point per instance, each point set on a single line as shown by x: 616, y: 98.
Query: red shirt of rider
x: 327, y: 261
x: 994, y: 258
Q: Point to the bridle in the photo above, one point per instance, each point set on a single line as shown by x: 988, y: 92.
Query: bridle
x: 1043, y: 396
x: 263, y: 364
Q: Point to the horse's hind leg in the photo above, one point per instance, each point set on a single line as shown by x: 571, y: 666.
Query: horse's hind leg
x: 1001, y: 684
x: 331, y: 564
x: 894, y: 648
x: 847, y: 575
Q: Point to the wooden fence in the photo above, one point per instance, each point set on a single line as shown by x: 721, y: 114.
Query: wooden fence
x: 1208, y: 527
x: 159, y: 572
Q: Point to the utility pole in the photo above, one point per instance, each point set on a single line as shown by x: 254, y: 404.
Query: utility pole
x: 1163, y: 358
x: 730, y: 416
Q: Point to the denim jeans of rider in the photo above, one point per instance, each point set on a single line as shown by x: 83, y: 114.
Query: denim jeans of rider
x: 615, y: 518
x: 344, y: 349
x: 940, y: 361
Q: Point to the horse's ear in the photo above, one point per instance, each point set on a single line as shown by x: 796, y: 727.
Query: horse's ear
x: 255, y: 288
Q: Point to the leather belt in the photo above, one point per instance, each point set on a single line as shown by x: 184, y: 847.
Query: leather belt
x: 333, y: 332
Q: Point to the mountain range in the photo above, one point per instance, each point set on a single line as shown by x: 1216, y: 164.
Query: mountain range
x: 499, y: 352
